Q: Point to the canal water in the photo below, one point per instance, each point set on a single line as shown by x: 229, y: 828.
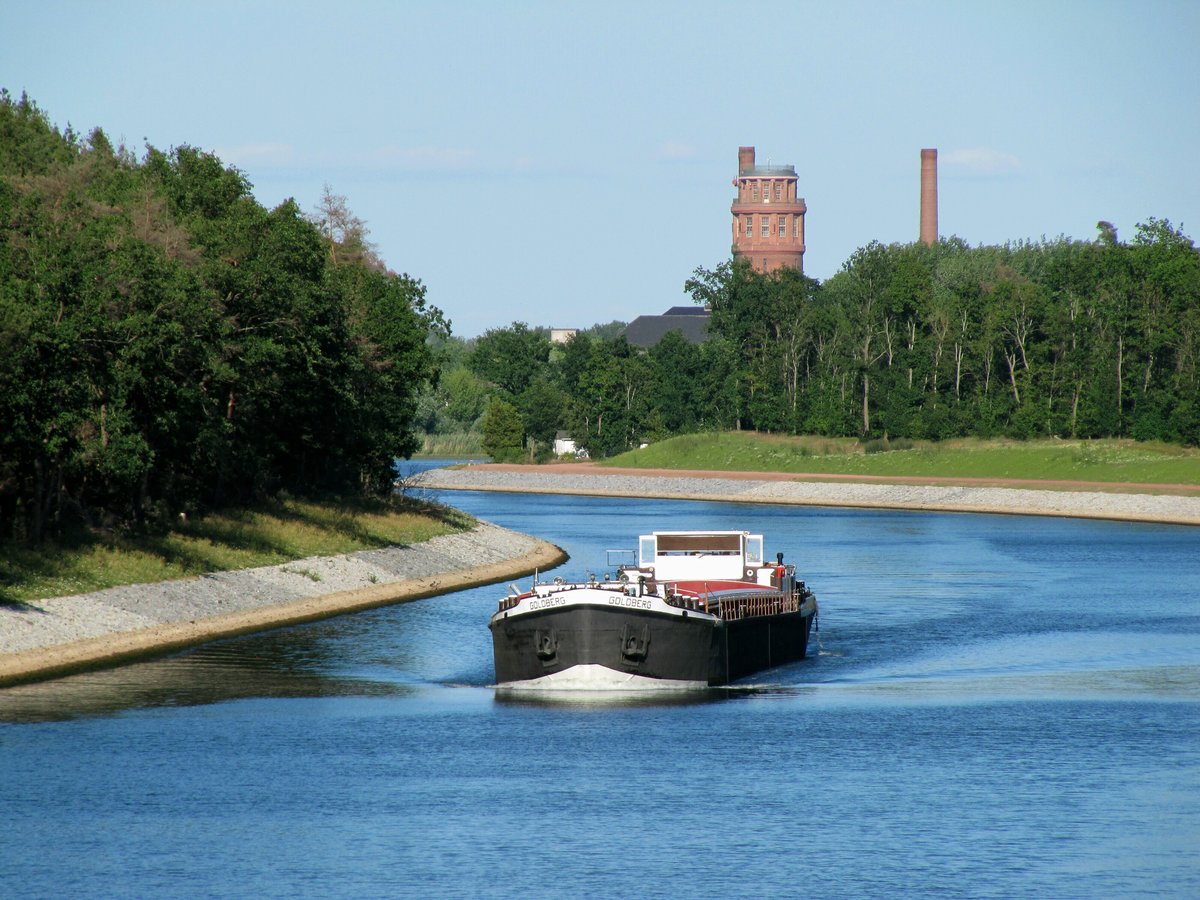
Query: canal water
x: 995, y: 706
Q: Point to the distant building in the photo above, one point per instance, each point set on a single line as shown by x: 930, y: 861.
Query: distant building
x: 562, y: 335
x: 690, y: 321
x: 564, y: 445
x: 768, y: 216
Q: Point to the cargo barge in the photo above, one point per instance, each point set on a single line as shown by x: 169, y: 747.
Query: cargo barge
x: 695, y: 609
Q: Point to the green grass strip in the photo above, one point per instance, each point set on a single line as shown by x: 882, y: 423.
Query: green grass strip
x: 277, y: 532
x: 1108, y: 461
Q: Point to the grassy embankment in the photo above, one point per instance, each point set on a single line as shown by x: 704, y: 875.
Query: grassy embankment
x: 1109, y: 461
x: 274, y: 533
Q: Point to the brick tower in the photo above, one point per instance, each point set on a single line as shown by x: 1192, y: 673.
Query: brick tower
x: 929, y: 201
x: 768, y: 217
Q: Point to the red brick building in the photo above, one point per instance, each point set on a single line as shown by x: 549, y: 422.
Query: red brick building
x: 768, y: 217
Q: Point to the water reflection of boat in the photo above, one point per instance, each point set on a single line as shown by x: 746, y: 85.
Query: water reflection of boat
x: 696, y: 609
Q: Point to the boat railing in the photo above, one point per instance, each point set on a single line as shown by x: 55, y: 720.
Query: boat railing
x: 740, y: 606
x: 621, y: 558
x: 559, y: 585
x: 729, y: 607
x: 748, y: 606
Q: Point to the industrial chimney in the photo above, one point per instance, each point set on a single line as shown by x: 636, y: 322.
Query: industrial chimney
x: 929, y: 223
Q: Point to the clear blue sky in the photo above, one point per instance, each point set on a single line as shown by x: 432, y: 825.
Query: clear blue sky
x: 567, y: 163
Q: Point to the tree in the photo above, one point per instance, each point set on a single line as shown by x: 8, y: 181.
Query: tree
x: 762, y: 320
x: 861, y: 286
x: 345, y: 233
x: 465, y: 397
x: 542, y: 406
x: 503, y: 431
x: 510, y: 357
x: 677, y: 392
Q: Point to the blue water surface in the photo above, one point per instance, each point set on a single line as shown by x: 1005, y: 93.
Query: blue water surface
x: 995, y: 706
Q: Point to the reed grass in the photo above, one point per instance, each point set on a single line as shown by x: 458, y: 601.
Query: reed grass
x: 454, y: 444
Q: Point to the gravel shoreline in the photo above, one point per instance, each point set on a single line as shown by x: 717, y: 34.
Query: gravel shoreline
x: 1136, y: 507
x: 47, y: 638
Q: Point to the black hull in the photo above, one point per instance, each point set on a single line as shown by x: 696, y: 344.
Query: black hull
x: 696, y: 649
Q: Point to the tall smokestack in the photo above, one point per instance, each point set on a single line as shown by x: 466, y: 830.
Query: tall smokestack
x: 929, y: 223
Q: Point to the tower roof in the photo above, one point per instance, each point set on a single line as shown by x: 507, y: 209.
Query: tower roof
x: 776, y: 171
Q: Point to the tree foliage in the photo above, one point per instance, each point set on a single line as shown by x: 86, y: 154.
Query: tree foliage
x: 510, y: 358
x: 168, y: 343
x: 1063, y: 337
x: 503, y: 431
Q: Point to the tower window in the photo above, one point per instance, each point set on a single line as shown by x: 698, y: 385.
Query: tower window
x: 749, y: 227
x: 796, y: 227
x: 782, y: 227
x: 754, y: 189
x: 765, y: 222
x: 778, y: 188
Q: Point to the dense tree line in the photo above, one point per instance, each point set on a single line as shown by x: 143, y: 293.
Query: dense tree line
x: 606, y: 393
x: 1065, y: 337
x: 167, y: 343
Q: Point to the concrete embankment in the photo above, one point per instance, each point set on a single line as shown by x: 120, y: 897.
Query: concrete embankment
x: 1119, y: 503
x: 48, y: 638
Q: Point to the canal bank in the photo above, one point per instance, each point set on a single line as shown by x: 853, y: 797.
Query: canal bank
x: 49, y: 638
x: 1168, y: 504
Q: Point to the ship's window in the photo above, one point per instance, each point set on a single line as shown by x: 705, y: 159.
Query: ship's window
x: 694, y: 544
x: 754, y: 549
x: 646, y: 550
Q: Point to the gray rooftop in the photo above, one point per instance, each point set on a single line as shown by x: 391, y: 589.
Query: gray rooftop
x: 690, y: 321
